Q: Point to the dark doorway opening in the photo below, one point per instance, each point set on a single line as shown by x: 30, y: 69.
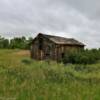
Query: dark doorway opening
x: 63, y: 55
x: 40, y: 44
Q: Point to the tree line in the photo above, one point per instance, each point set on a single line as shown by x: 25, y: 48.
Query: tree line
x: 15, y: 43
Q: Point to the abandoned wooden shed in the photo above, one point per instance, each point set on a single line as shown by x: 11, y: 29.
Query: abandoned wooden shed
x: 53, y: 47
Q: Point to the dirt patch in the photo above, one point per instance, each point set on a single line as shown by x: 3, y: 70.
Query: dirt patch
x: 23, y: 53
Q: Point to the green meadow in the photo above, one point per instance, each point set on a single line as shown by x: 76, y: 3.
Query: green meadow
x: 24, y: 79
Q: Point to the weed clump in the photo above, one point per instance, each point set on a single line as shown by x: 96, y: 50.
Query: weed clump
x: 26, y: 61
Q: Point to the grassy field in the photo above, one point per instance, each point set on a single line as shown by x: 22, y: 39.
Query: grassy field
x: 24, y: 79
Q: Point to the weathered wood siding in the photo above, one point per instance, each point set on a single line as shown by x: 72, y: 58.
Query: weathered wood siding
x: 50, y: 50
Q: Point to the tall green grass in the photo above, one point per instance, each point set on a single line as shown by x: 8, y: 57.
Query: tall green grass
x: 24, y: 79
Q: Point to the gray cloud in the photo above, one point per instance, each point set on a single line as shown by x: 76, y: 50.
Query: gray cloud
x: 68, y: 18
x: 89, y: 7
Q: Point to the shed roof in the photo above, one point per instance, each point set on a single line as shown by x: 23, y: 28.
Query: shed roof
x: 62, y: 40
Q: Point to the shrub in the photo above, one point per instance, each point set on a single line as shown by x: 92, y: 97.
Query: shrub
x: 82, y: 57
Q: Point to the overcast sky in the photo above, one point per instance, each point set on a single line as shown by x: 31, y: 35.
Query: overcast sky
x: 78, y: 19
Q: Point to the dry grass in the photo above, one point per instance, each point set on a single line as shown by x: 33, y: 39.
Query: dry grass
x: 23, y: 53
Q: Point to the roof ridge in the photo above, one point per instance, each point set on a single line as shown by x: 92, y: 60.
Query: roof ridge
x: 55, y: 36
